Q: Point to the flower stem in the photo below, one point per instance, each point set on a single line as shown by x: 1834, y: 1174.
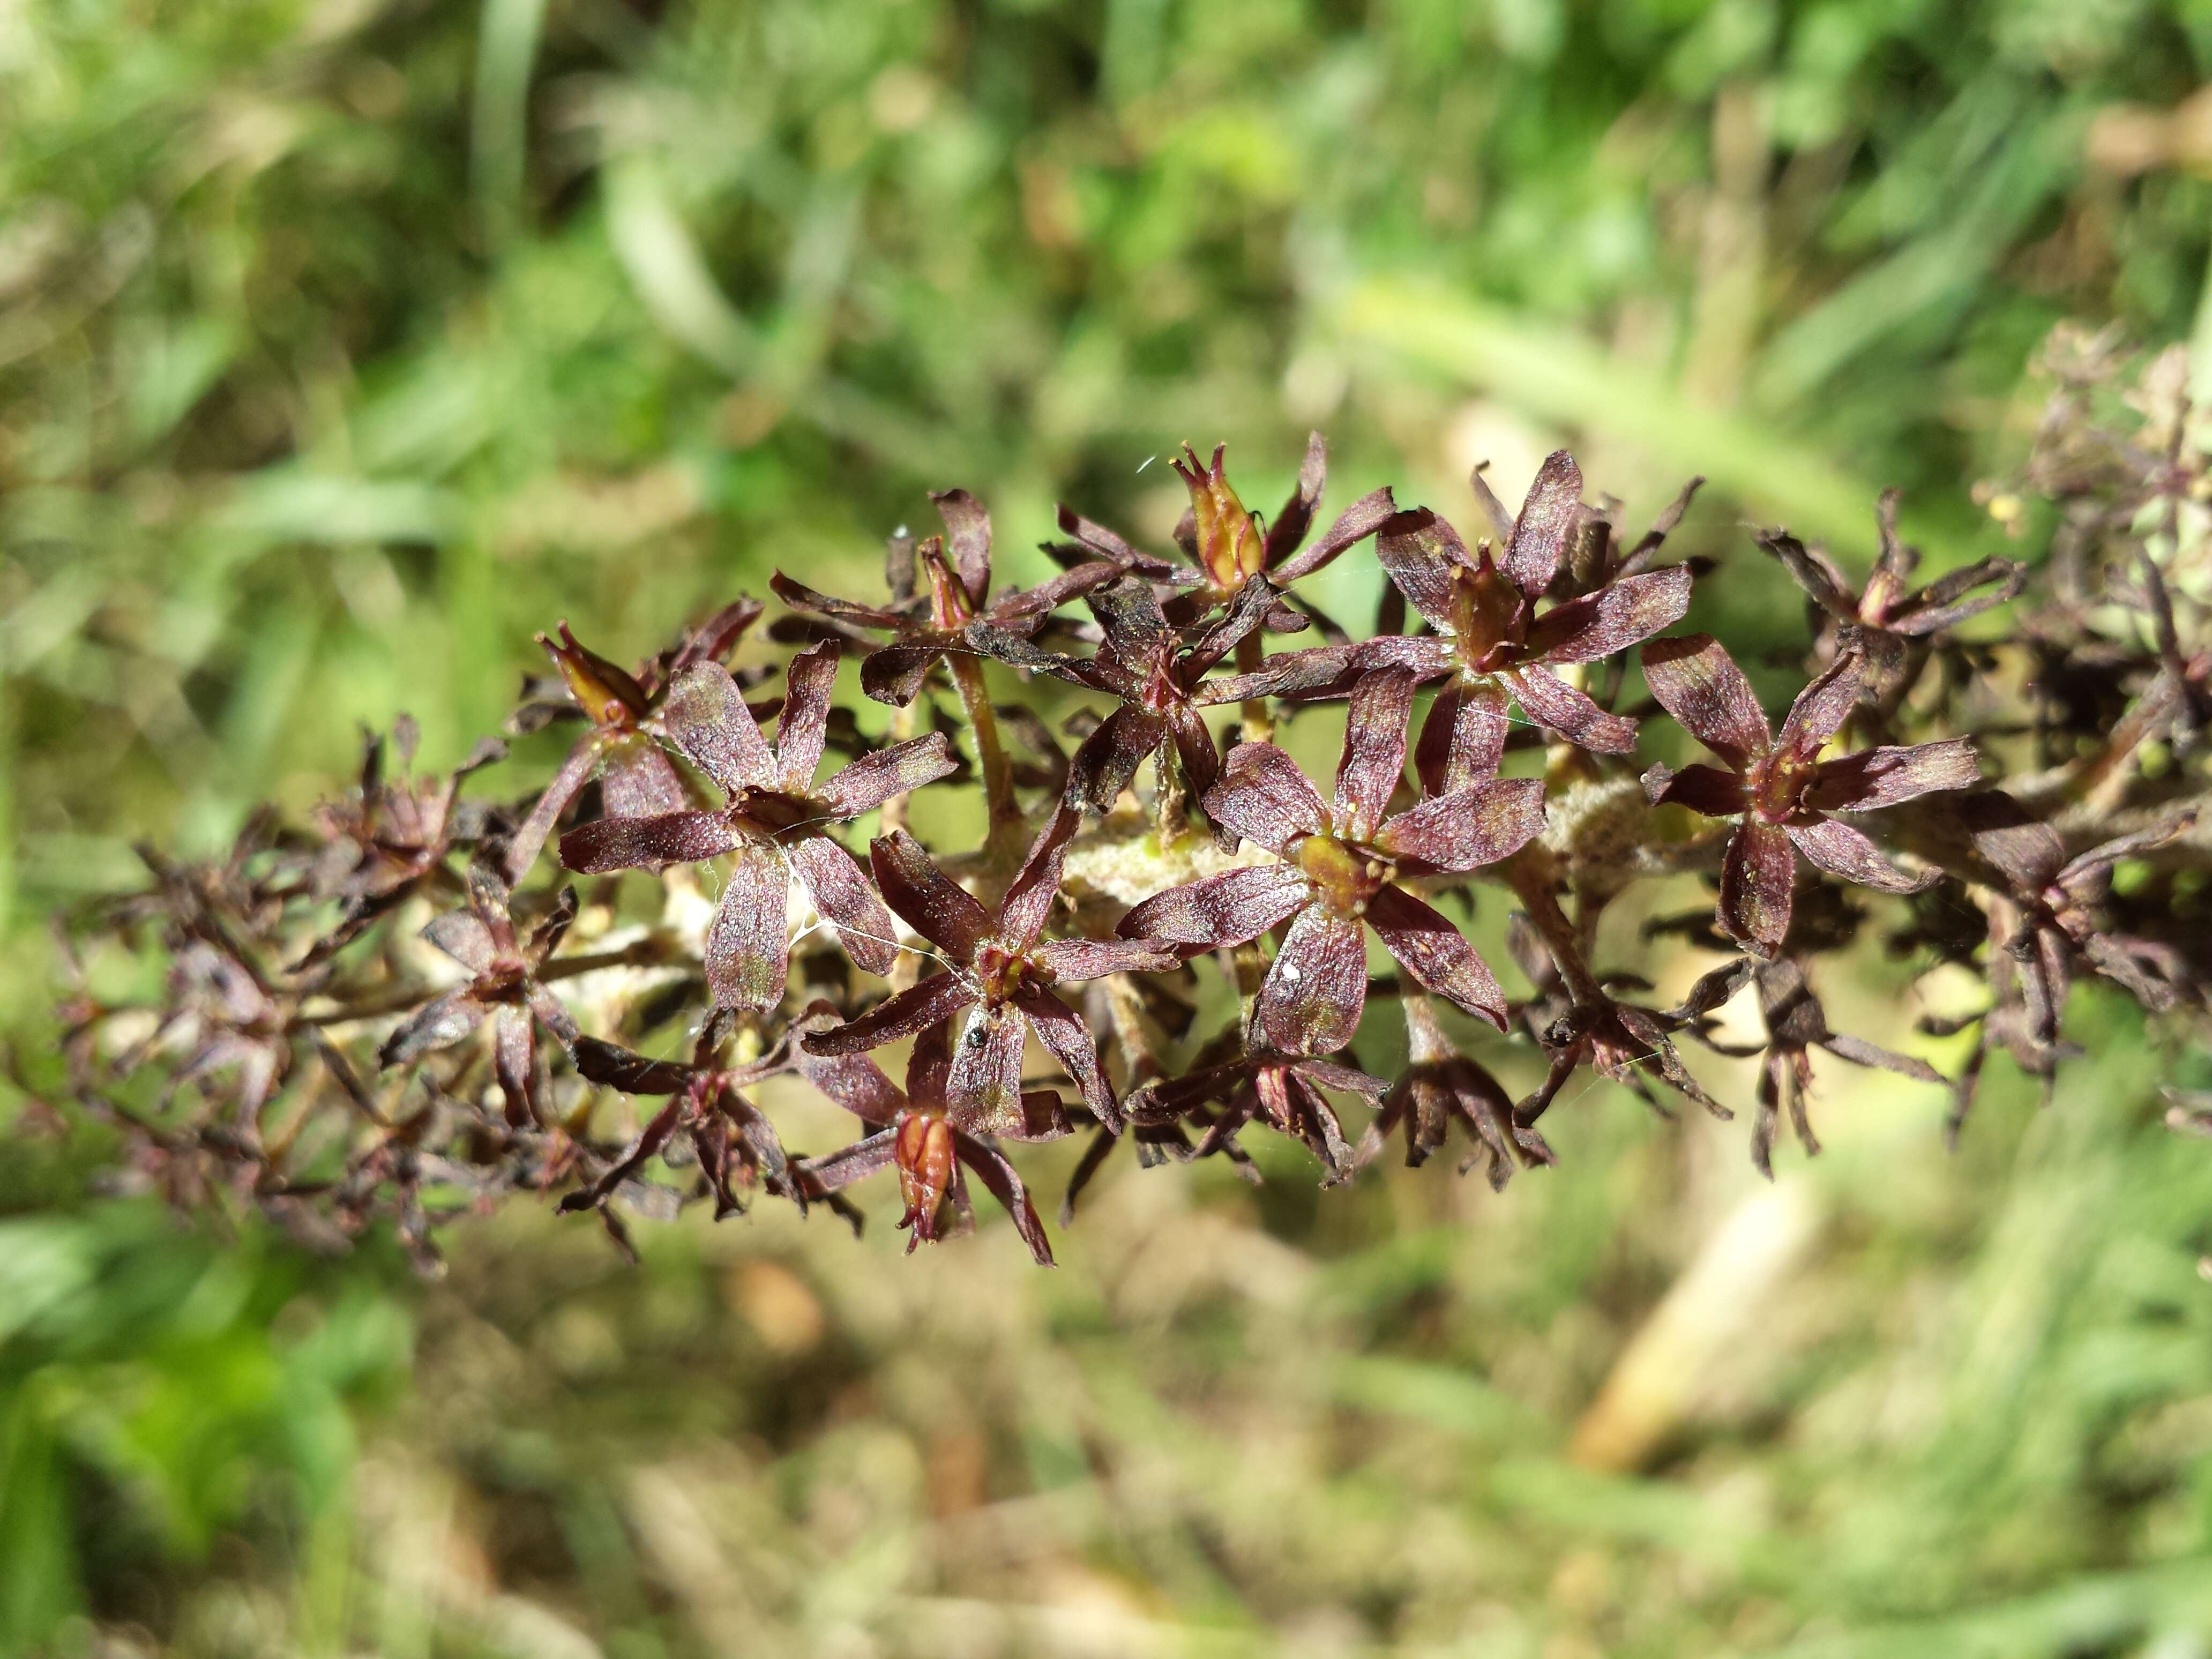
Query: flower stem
x: 990, y: 754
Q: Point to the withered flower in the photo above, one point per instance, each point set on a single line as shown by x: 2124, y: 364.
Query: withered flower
x: 1341, y: 866
x: 1000, y: 972
x: 1490, y: 638
x: 1442, y: 1086
x: 635, y: 779
x: 1282, y: 1090
x: 777, y: 822
x: 505, y: 990
x: 1783, y: 789
x: 917, y: 1133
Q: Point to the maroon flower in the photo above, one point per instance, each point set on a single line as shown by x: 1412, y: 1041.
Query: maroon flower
x: 734, y: 1142
x: 1780, y: 785
x: 776, y: 823
x: 1285, y: 1091
x: 1144, y: 663
x: 1442, y: 1086
x: 505, y: 990
x: 1889, y: 620
x: 916, y: 1133
x: 1001, y: 970
x: 1489, y: 637
x: 1341, y: 866
x: 1228, y: 546
x: 922, y: 635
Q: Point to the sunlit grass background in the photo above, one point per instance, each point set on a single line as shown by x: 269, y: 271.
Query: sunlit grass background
x: 343, y: 344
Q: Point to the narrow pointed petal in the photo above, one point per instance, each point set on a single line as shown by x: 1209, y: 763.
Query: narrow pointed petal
x: 1422, y: 555
x: 1943, y: 602
x: 1702, y: 788
x: 1129, y: 614
x: 613, y: 1066
x: 1037, y: 884
x: 1464, y: 738
x: 833, y: 881
x: 1354, y: 525
x: 932, y: 1002
x: 1374, y: 758
x: 529, y: 836
x: 1547, y: 519
x: 1312, y: 1001
x: 1069, y: 1041
x: 1106, y: 762
x: 439, y: 1023
x: 1598, y: 624
x: 1095, y: 959
x: 1647, y: 547
x: 1431, y: 950
x: 1558, y: 707
x: 805, y: 719
x: 1331, y: 670
x: 463, y: 936
x: 748, y: 942
x: 1228, y: 909
x: 706, y: 717
x: 1195, y: 745
x: 1255, y: 603
x: 1092, y: 674
x: 1020, y: 610
x: 1822, y: 708
x: 1296, y: 515
x: 800, y: 597
x: 1000, y: 1180
x: 983, y: 1095
x: 514, y: 1062
x: 1883, y: 777
x: 873, y: 779
x: 1759, y: 878
x: 1477, y: 825
x: 932, y: 903
x: 1822, y: 583
x: 718, y: 635
x: 605, y: 845
x: 1109, y: 546
x: 1843, y: 851
x: 968, y: 535
x: 1698, y: 683
x: 818, y: 1177
x: 1264, y: 797
x: 637, y: 780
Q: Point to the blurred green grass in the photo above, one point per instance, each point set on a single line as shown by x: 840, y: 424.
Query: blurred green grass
x: 344, y: 344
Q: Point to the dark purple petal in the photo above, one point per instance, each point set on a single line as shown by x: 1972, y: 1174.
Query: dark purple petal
x: 1374, y: 758
x: 706, y: 717
x: 1611, y: 619
x: 749, y: 944
x: 1020, y: 610
x: 983, y: 1095
x: 932, y: 1002
x: 439, y: 1023
x: 833, y: 881
x: 1092, y: 674
x: 514, y: 1062
x: 1037, y: 884
x: 463, y: 936
x: 1435, y: 952
x: 800, y: 597
x: 998, y: 1177
x: 609, y: 844
x: 1820, y: 580
x: 1860, y: 1052
x: 1095, y: 959
x: 1227, y: 909
x: 1706, y: 789
x: 929, y: 1067
x: 1464, y: 738
x: 1107, y: 760
x: 1345, y: 1079
x: 1423, y: 556
x: 1255, y: 603
x: 968, y: 534
x: 1110, y: 547
x: 1547, y: 519
x: 1295, y: 516
x: 637, y: 782
x: 894, y: 674
x: 1194, y: 742
x: 1312, y: 1001
x: 1264, y: 798
x: 1129, y: 615
x: 716, y: 635
x: 873, y: 779
x: 933, y: 904
x: 1475, y: 826
x: 616, y: 1067
x: 1355, y: 525
x: 553, y: 1015
x: 1648, y: 545
x: 1822, y: 708
x: 1843, y: 851
x: 1068, y: 1040
x: 1331, y: 670
x: 1883, y: 777
x: 1758, y: 876
x: 1553, y: 704
x: 1942, y: 604
x: 1698, y: 683
x: 805, y: 719
x: 529, y: 838
x: 818, y: 1177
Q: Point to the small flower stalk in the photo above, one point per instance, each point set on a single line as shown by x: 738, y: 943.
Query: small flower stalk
x: 436, y: 993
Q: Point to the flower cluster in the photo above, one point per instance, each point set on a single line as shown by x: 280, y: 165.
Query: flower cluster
x: 1175, y: 937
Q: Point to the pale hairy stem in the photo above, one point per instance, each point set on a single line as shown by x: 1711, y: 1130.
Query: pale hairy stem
x: 1006, y: 814
x: 1171, y: 800
x: 1531, y: 875
x: 1127, y: 1009
x: 1259, y: 725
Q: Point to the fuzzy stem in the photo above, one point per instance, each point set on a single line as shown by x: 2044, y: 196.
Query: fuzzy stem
x: 990, y: 753
x: 1259, y: 725
x: 1533, y: 885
